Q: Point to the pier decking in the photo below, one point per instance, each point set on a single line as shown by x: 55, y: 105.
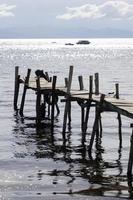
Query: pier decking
x: 47, y: 93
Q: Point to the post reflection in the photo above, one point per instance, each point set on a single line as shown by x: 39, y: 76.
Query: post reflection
x: 39, y: 143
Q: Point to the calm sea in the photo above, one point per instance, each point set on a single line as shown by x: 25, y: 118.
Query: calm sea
x: 32, y: 165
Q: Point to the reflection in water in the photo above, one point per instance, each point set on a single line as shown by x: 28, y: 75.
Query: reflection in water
x: 41, y: 144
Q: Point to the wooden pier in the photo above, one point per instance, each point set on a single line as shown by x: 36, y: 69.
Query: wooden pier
x: 47, y: 98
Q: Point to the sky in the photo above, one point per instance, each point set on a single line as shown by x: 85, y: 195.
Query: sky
x: 66, y: 19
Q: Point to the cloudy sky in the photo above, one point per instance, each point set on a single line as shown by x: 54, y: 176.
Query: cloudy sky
x: 66, y: 19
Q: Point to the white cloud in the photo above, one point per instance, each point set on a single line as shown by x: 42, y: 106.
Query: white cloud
x: 6, y: 10
x: 116, y: 9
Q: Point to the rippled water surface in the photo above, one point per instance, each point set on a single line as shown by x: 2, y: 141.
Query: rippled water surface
x: 35, y: 165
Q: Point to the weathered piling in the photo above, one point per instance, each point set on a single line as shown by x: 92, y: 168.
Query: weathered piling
x: 90, y: 86
x: 67, y: 100
x: 38, y: 102
x: 81, y: 85
x: 66, y: 82
x: 117, y: 90
x: 96, y: 83
x: 16, y: 87
x: 96, y: 122
x: 130, y: 160
x: 24, y: 92
x: 119, y: 116
x: 53, y: 102
x: 88, y: 104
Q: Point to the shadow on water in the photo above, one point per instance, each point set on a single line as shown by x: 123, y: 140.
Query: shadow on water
x: 41, y: 144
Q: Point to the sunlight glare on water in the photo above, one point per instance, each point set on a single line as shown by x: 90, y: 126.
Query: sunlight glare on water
x: 32, y: 164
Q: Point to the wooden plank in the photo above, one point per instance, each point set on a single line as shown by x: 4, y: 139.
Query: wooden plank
x: 117, y: 109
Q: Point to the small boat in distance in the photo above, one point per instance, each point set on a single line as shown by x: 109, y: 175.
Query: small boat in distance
x: 69, y: 44
x: 83, y: 42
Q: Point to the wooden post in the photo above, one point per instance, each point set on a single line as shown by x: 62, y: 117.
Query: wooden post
x: 67, y: 100
x: 53, y: 102
x: 95, y: 126
x: 100, y: 124
x: 38, y: 102
x: 119, y: 116
x: 57, y: 108
x: 81, y: 85
x: 96, y: 83
x: 24, y: 92
x: 82, y: 118
x: 130, y: 160
x: 69, y: 114
x: 66, y: 82
x: 48, y: 110
x: 90, y: 86
x: 16, y: 87
x: 89, y: 103
x: 44, y: 106
x: 117, y: 90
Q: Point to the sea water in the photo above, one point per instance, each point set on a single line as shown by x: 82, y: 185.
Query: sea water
x: 35, y: 166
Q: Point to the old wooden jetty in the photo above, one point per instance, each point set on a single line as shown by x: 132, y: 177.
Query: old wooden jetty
x: 47, y: 94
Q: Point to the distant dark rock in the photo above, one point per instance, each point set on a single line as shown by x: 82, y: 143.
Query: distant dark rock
x: 69, y: 44
x: 83, y: 42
